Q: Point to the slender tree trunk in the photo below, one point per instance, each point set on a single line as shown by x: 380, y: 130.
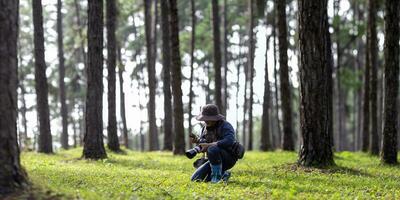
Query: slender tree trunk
x: 392, y: 51
x: 265, y: 130
x: 85, y: 62
x: 251, y: 70
x: 287, y: 143
x: 179, y: 145
x: 238, y: 87
x: 112, y: 142
x: 23, y: 140
x: 225, y: 58
x: 372, y: 49
x: 153, y: 144
x: 278, y: 121
x: 12, y: 175
x: 166, y: 48
x: 314, y: 84
x: 45, y: 139
x: 217, y: 54
x: 61, y: 68
x: 192, y: 46
x: 366, y: 103
x: 121, y: 70
x: 93, y: 147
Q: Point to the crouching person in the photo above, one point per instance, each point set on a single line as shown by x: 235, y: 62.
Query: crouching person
x: 216, y: 140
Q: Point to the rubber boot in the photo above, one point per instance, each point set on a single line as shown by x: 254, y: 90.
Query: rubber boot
x: 226, y: 176
x: 216, y: 171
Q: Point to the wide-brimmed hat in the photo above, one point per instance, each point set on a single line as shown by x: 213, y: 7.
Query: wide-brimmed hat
x: 209, y: 112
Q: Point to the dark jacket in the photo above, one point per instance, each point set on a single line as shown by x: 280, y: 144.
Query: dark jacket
x: 224, y: 135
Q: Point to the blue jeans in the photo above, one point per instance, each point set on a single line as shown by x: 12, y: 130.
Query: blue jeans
x: 216, y: 156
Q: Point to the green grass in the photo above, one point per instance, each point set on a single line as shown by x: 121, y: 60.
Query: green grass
x: 159, y: 175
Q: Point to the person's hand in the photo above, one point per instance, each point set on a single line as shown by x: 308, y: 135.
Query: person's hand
x: 204, y: 146
x: 193, y: 138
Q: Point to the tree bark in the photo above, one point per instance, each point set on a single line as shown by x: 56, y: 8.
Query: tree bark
x: 373, y: 54
x: 45, y: 139
x: 192, y: 46
x: 166, y: 49
x: 121, y: 70
x: 93, y: 147
x: 287, y: 142
x: 277, y: 106
x: 366, y: 102
x: 153, y: 139
x: 225, y: 58
x: 61, y: 68
x: 112, y: 142
x: 217, y: 54
x: 316, y: 149
x: 392, y: 50
x: 265, y: 131
x: 12, y: 176
x: 251, y: 68
x: 179, y: 145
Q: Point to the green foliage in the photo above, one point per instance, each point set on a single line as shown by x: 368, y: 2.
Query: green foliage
x: 159, y: 175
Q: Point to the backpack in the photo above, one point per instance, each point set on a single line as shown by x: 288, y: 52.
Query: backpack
x: 238, y: 150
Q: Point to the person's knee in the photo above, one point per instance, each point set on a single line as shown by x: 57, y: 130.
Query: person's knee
x: 213, y: 150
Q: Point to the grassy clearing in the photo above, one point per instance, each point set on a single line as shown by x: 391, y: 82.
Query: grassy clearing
x: 159, y: 175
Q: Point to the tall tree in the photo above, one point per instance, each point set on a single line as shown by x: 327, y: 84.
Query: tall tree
x: 341, y: 141
x: 153, y: 139
x: 179, y: 144
x: 12, y: 176
x: 112, y: 142
x: 166, y: 52
x: 277, y: 106
x: 121, y: 70
x: 61, y: 68
x: 45, y: 139
x: 366, y: 102
x: 373, y: 54
x: 265, y: 131
x: 192, y: 46
x: 225, y: 57
x: 392, y: 50
x: 251, y: 70
x: 217, y: 54
x: 287, y: 142
x: 314, y: 85
x: 93, y: 147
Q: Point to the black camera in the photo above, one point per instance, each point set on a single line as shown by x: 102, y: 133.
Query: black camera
x: 191, y: 153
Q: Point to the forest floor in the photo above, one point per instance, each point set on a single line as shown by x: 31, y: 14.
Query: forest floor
x: 159, y: 175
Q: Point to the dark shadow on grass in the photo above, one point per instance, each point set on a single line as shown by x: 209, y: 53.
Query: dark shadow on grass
x: 334, y: 169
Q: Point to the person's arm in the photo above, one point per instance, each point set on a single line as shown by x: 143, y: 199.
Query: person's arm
x: 228, y: 136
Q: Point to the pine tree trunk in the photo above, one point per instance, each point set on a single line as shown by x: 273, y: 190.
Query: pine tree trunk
x: 93, y: 147
x: 192, y: 45
x: 85, y: 63
x: 265, y: 124
x: 392, y: 51
x: 372, y: 49
x: 217, y: 54
x: 225, y: 58
x: 278, y: 121
x: 166, y: 49
x: 314, y: 84
x: 12, y: 175
x: 111, y: 20
x: 121, y: 70
x: 251, y: 78
x: 61, y: 68
x: 287, y: 143
x: 153, y: 144
x: 23, y: 140
x: 366, y: 102
x: 45, y: 139
x: 179, y: 145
